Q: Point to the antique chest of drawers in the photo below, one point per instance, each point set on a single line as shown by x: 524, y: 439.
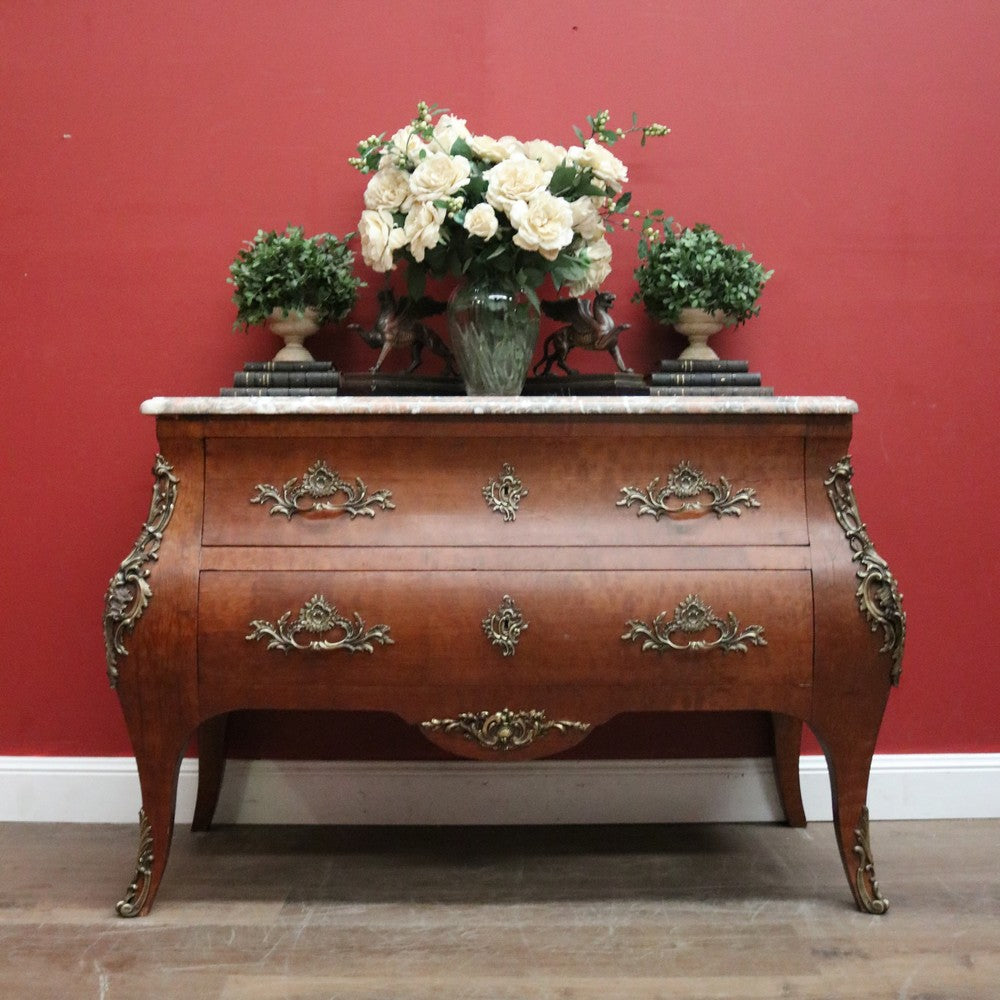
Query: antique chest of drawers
x: 505, y: 575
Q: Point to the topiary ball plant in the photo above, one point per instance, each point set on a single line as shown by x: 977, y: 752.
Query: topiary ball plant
x: 693, y: 268
x: 292, y: 272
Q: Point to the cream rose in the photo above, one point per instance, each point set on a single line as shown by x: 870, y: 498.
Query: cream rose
x: 544, y: 224
x: 599, y: 254
x: 586, y: 219
x: 481, y: 221
x: 447, y: 130
x: 438, y: 175
x: 547, y: 154
x: 487, y: 148
x: 404, y: 145
x: 604, y: 164
x: 379, y: 238
x: 515, y: 179
x: 388, y: 188
x: 422, y: 228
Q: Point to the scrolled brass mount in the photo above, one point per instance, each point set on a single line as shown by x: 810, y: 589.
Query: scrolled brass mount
x: 690, y: 617
x: 503, y: 730
x: 315, y: 617
x: 504, y: 626
x: 686, y: 485
x: 504, y: 494
x: 310, y: 495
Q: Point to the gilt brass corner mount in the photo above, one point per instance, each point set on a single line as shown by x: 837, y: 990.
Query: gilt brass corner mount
x: 878, y: 594
x: 129, y: 592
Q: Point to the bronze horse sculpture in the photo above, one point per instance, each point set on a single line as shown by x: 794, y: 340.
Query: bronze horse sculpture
x: 589, y: 326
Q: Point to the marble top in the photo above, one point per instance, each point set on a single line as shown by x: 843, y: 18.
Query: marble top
x: 250, y: 406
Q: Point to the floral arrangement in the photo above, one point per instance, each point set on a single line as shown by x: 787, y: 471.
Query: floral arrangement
x: 450, y: 202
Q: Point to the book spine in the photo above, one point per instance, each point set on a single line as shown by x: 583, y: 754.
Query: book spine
x: 705, y: 378
x: 710, y: 390
x: 285, y: 380
x: 719, y: 365
x: 289, y: 366
x: 280, y: 391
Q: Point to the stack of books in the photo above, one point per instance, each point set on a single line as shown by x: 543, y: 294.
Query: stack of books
x: 285, y: 378
x: 706, y: 378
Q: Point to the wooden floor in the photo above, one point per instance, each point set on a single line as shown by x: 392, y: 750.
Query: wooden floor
x: 292, y: 913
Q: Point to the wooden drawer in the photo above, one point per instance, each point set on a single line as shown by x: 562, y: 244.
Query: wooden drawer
x: 644, y: 491
x: 408, y: 630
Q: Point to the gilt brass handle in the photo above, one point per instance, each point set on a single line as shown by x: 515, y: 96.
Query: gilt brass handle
x: 315, y: 617
x: 692, y: 616
x: 311, y: 495
x: 503, y: 730
x: 504, y: 494
x: 693, y: 494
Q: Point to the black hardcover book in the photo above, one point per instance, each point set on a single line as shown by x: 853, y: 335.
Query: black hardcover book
x: 289, y: 366
x: 705, y: 378
x: 613, y: 384
x: 286, y: 380
x: 719, y: 365
x: 710, y: 390
x: 367, y: 384
x: 280, y: 391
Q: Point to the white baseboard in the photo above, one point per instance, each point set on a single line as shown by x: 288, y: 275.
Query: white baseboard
x: 106, y: 790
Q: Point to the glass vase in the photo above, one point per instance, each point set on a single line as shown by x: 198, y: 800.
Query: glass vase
x: 494, y: 330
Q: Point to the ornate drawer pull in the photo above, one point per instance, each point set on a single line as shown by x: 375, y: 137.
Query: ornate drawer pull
x: 316, y: 616
x: 503, y: 730
x: 685, y: 484
x: 321, y: 481
x: 693, y: 615
x: 504, y: 626
x: 504, y: 495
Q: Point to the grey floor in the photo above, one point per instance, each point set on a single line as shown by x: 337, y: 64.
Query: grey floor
x: 293, y: 913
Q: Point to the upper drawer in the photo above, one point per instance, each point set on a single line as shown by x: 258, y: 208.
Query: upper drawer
x: 537, y: 489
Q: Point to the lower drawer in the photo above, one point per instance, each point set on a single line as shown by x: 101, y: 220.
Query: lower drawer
x: 707, y: 639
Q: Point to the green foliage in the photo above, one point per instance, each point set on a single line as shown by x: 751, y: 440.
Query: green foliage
x: 694, y: 269
x: 291, y: 271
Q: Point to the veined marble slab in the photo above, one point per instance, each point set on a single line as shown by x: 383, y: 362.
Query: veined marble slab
x: 249, y: 406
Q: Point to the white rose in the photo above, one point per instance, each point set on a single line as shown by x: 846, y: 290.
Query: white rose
x: 599, y: 254
x: 511, y: 144
x: 515, y: 179
x: 587, y: 220
x: 447, y: 130
x: 487, y: 148
x: 422, y: 228
x: 544, y: 224
x: 438, y: 175
x: 481, y: 221
x: 379, y: 238
x: 547, y: 154
x: 406, y: 145
x: 388, y: 188
x: 604, y: 164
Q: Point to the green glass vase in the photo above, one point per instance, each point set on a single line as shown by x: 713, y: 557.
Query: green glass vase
x: 494, y: 330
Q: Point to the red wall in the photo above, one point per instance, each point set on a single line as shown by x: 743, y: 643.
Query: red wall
x: 853, y: 146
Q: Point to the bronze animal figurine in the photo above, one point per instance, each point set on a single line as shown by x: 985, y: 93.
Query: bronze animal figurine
x: 586, y: 326
x: 398, y: 325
